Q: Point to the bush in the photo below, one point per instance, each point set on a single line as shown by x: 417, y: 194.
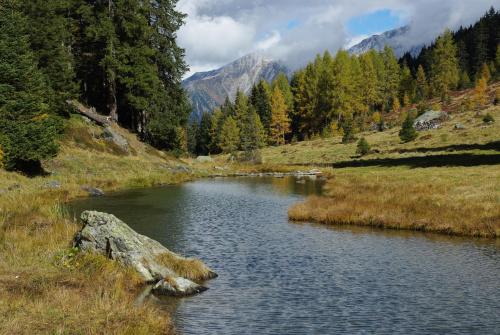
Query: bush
x: 408, y: 132
x: 25, y: 144
x: 348, y: 136
x: 363, y: 147
x: 250, y: 156
x: 488, y: 118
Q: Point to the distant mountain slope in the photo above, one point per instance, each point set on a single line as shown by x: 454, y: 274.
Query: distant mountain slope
x: 397, y: 39
x: 209, y: 89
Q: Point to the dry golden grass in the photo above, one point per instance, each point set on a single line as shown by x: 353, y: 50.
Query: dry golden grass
x: 189, y: 268
x: 45, y: 287
x: 457, y: 201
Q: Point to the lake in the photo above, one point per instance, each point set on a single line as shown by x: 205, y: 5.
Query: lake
x: 279, y: 277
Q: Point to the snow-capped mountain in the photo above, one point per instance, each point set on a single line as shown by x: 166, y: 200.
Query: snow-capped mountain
x: 398, y: 39
x: 209, y: 89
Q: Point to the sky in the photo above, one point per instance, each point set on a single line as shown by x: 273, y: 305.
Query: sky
x: 294, y: 31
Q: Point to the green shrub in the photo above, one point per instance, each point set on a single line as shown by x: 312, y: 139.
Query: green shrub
x: 348, y: 136
x: 408, y: 132
x: 363, y: 147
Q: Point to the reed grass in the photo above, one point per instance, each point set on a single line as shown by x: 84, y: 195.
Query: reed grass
x: 456, y: 201
x: 189, y: 268
x: 47, y: 288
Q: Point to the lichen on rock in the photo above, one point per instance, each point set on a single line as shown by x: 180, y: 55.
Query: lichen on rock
x: 105, y: 234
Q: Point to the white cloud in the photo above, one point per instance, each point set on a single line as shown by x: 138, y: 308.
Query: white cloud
x: 269, y: 42
x: 219, y: 31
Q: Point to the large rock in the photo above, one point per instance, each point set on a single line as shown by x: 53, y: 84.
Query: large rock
x: 430, y: 120
x: 111, y: 135
x: 107, y: 235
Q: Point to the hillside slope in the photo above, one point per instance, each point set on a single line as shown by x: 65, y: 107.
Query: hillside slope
x: 45, y: 286
x: 209, y: 89
x: 397, y: 39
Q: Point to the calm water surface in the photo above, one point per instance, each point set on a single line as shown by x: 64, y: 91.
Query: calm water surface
x: 277, y: 277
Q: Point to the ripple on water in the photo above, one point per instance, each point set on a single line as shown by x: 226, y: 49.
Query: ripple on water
x: 277, y: 277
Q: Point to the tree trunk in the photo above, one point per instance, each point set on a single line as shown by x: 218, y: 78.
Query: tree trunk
x: 112, y: 103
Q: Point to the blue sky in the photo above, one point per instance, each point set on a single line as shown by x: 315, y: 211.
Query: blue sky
x: 375, y: 22
x: 294, y: 31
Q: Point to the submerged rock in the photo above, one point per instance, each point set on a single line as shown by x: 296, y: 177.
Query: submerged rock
x: 93, y: 191
x: 107, y: 235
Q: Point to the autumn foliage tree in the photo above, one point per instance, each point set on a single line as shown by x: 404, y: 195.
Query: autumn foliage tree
x: 280, y: 123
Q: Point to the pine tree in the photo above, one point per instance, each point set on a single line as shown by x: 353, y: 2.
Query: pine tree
x: 50, y: 29
x: 281, y: 81
x: 261, y: 101
x: 324, y: 110
x: 408, y: 132
x: 464, y: 80
x: 480, y: 46
x: 192, y: 137
x: 28, y: 131
x: 230, y: 136
x: 241, y: 107
x: 369, y: 83
x: 280, y: 123
x: 203, y: 136
x: 391, y: 79
x: 407, y: 85
x: 485, y: 73
x: 378, y: 63
x: 481, y: 93
x: 444, y: 66
x: 216, y: 123
x: 348, y: 131
x: 252, y: 132
x: 363, y: 147
x: 131, y: 68
x: 343, y: 95
x: 422, y: 87
x: 305, y: 93
x: 227, y: 108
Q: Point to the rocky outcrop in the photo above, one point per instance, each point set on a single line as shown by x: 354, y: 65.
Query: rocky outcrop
x: 107, y: 235
x: 111, y: 135
x: 430, y: 120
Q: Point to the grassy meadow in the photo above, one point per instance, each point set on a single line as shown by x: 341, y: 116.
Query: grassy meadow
x: 446, y: 181
x: 45, y: 286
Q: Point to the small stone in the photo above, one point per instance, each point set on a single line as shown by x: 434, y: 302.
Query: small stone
x: 177, y: 286
x: 204, y: 159
x: 459, y: 126
x: 53, y: 184
x: 93, y: 191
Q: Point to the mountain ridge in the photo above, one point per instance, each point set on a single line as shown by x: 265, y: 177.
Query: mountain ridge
x: 209, y: 89
x: 397, y: 39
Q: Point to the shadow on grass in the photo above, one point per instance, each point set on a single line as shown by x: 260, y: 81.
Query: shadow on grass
x: 451, y: 160
x: 456, y: 147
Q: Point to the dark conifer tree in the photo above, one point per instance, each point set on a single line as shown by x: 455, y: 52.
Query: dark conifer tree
x: 28, y: 128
